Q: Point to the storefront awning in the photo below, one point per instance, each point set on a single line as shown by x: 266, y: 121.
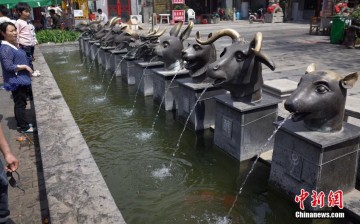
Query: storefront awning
x: 33, y: 3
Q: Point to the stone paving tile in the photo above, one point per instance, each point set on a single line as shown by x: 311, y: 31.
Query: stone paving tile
x: 24, y: 207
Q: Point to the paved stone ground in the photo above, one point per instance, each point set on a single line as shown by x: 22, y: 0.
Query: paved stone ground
x: 29, y: 206
x: 288, y: 44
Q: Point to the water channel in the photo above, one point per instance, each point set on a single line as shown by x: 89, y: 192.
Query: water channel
x: 203, y: 181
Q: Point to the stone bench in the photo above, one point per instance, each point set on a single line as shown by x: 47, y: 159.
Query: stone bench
x: 352, y: 108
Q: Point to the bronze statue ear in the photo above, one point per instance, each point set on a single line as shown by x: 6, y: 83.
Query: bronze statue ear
x: 310, y: 68
x: 349, y: 81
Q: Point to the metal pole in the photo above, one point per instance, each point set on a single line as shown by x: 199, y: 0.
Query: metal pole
x: 153, y: 16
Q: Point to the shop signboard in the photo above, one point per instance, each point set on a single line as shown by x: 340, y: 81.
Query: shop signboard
x: 178, y: 15
x: 178, y: 2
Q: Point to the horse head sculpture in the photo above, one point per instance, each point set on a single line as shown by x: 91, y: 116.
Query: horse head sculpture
x: 239, y: 68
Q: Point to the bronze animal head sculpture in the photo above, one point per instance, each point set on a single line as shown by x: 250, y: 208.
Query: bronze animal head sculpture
x: 239, y: 69
x: 319, y: 100
x: 105, y: 29
x: 144, y: 47
x: 114, y: 29
x: 197, y: 58
x: 125, y: 38
x: 88, y: 29
x: 170, y: 47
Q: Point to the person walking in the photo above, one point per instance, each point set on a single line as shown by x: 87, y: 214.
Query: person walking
x: 102, y: 17
x: 16, y: 72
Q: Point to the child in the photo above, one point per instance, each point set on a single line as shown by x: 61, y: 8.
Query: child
x: 25, y: 36
x: 34, y: 38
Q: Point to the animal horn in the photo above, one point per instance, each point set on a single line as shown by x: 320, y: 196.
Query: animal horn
x: 235, y: 36
x: 257, y: 41
x: 186, y: 33
x: 176, y: 29
x: 155, y: 30
x: 115, y: 21
x: 157, y: 34
x: 112, y: 19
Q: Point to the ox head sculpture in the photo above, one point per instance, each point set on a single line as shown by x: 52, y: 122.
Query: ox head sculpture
x: 170, y: 47
x: 319, y: 99
x: 197, y: 58
x: 239, y: 69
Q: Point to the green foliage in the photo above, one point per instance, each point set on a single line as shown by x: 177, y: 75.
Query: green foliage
x: 356, y: 13
x: 56, y: 36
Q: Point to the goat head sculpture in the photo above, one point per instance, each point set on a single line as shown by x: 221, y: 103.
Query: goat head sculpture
x: 319, y: 99
x: 170, y: 47
x: 197, y: 58
x: 239, y: 70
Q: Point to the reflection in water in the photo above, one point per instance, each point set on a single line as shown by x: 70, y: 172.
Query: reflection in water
x: 203, y: 181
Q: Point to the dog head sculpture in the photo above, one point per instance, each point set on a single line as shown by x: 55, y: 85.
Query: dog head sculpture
x: 197, y: 58
x: 169, y: 48
x: 319, y: 100
x: 239, y: 69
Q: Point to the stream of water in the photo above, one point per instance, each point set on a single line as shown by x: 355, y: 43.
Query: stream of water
x: 203, y: 181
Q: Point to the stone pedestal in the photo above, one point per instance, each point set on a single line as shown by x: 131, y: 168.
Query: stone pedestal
x: 162, y: 81
x: 311, y: 160
x: 81, y: 44
x: 143, y: 76
x: 108, y: 56
x: 203, y: 115
x: 115, y: 59
x: 242, y: 129
x: 93, y: 49
x: 98, y: 55
x: 86, y: 47
x: 102, y: 56
x: 127, y: 74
